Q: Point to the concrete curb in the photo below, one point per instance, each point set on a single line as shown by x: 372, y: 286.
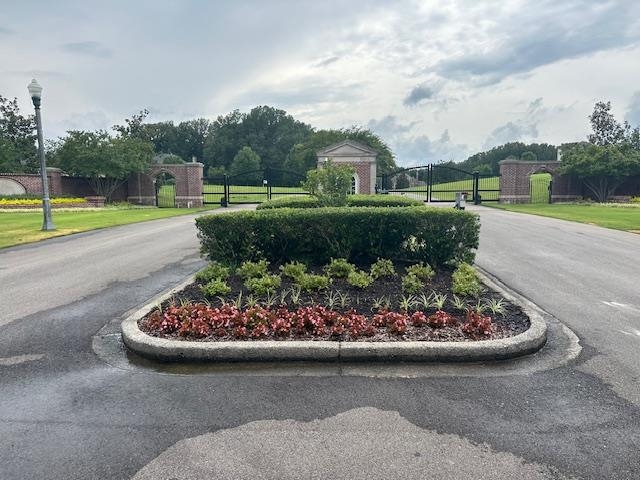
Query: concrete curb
x: 247, y: 351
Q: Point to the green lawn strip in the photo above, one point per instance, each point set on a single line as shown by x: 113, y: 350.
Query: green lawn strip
x: 24, y: 227
x: 617, y: 217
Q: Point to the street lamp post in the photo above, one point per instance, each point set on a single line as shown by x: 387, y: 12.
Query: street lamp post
x: 35, y: 90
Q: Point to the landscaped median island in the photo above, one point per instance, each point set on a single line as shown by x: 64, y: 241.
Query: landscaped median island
x: 336, y: 283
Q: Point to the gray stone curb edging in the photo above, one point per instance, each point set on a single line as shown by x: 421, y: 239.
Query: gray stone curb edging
x: 268, y: 350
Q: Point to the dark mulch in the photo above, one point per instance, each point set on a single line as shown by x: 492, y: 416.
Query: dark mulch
x: 513, y: 322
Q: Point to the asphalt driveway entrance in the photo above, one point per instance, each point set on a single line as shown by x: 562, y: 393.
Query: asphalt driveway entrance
x: 67, y: 414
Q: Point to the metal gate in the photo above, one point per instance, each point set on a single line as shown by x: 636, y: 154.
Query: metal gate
x: 254, y: 186
x: 165, y: 191
x: 440, y: 183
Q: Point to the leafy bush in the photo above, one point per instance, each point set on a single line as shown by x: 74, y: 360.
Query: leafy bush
x: 263, y: 285
x: 339, y: 268
x: 213, y: 271
x: 422, y: 271
x: 293, y: 270
x: 251, y: 269
x: 465, y: 281
x: 215, y: 287
x: 382, y: 268
x: 432, y: 235
x: 330, y: 184
x: 352, y: 201
x: 310, y: 283
x: 359, y: 279
x: 411, y: 284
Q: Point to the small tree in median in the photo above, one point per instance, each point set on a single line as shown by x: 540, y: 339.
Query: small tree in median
x: 330, y: 184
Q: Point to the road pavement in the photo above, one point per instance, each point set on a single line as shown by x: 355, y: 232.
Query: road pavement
x: 67, y: 412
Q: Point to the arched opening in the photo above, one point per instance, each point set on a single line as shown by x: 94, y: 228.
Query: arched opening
x: 355, y: 184
x: 9, y: 186
x: 165, y: 186
x: 540, y: 182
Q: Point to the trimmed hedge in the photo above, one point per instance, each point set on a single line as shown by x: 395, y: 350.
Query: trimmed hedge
x: 352, y: 201
x: 432, y: 235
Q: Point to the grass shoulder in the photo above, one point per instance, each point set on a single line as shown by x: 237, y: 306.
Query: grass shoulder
x: 17, y: 228
x: 616, y: 216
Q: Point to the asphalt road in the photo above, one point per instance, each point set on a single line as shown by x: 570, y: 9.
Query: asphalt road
x: 68, y: 413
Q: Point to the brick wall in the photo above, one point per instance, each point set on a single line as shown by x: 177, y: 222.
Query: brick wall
x: 142, y: 191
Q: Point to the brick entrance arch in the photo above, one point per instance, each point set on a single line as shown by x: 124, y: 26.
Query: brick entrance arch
x: 515, y: 186
x: 188, y: 184
x: 360, y: 157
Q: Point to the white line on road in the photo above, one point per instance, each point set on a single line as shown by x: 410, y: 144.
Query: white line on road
x: 7, y: 361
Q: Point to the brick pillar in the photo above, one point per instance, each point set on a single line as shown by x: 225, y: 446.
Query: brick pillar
x: 54, y: 176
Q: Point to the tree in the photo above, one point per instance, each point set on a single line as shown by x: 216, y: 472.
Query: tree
x: 106, y: 161
x: 542, y: 151
x: 191, y: 137
x: 302, y: 156
x: 224, y: 140
x: 606, y: 129
x: 246, y: 160
x: 528, y: 156
x: 601, y: 168
x: 18, y: 152
x: 133, y: 126
x: 612, y: 155
x: 402, y: 181
x: 330, y: 183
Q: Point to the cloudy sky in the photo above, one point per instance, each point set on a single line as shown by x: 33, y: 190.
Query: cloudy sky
x: 436, y: 80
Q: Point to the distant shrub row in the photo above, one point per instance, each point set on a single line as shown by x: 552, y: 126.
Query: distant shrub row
x: 315, y: 235
x: 352, y: 201
x: 38, y: 201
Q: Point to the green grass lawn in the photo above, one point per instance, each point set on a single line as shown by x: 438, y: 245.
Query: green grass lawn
x: 24, y: 227
x: 624, y: 217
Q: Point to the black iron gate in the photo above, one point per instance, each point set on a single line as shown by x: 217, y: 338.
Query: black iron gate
x: 441, y: 183
x: 255, y: 186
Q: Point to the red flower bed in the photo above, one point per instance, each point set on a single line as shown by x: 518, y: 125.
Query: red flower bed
x: 227, y: 322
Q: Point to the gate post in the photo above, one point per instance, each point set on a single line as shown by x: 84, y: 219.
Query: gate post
x: 429, y: 182
x: 550, y: 190
x: 476, y: 188
x: 225, y: 198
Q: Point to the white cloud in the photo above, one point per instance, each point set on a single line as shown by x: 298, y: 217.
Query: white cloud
x: 467, y: 69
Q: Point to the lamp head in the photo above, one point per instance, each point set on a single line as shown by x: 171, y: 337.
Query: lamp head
x: 35, y: 90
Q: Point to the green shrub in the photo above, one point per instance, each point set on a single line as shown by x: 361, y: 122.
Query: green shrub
x: 290, y: 202
x: 339, y: 268
x: 432, y: 235
x: 382, y: 201
x: 293, y: 269
x: 465, y: 281
x: 310, y: 283
x: 352, y: 201
x: 359, y: 279
x: 213, y: 271
x: 251, y: 269
x: 422, y: 271
x: 411, y: 284
x: 330, y: 184
x: 382, y: 268
x: 215, y: 287
x: 263, y: 285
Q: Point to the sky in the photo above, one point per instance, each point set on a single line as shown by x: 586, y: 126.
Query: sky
x: 435, y: 80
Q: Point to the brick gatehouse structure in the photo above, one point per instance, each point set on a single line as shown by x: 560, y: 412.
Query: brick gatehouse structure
x: 188, y: 176
x: 359, y: 156
x: 515, y: 186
